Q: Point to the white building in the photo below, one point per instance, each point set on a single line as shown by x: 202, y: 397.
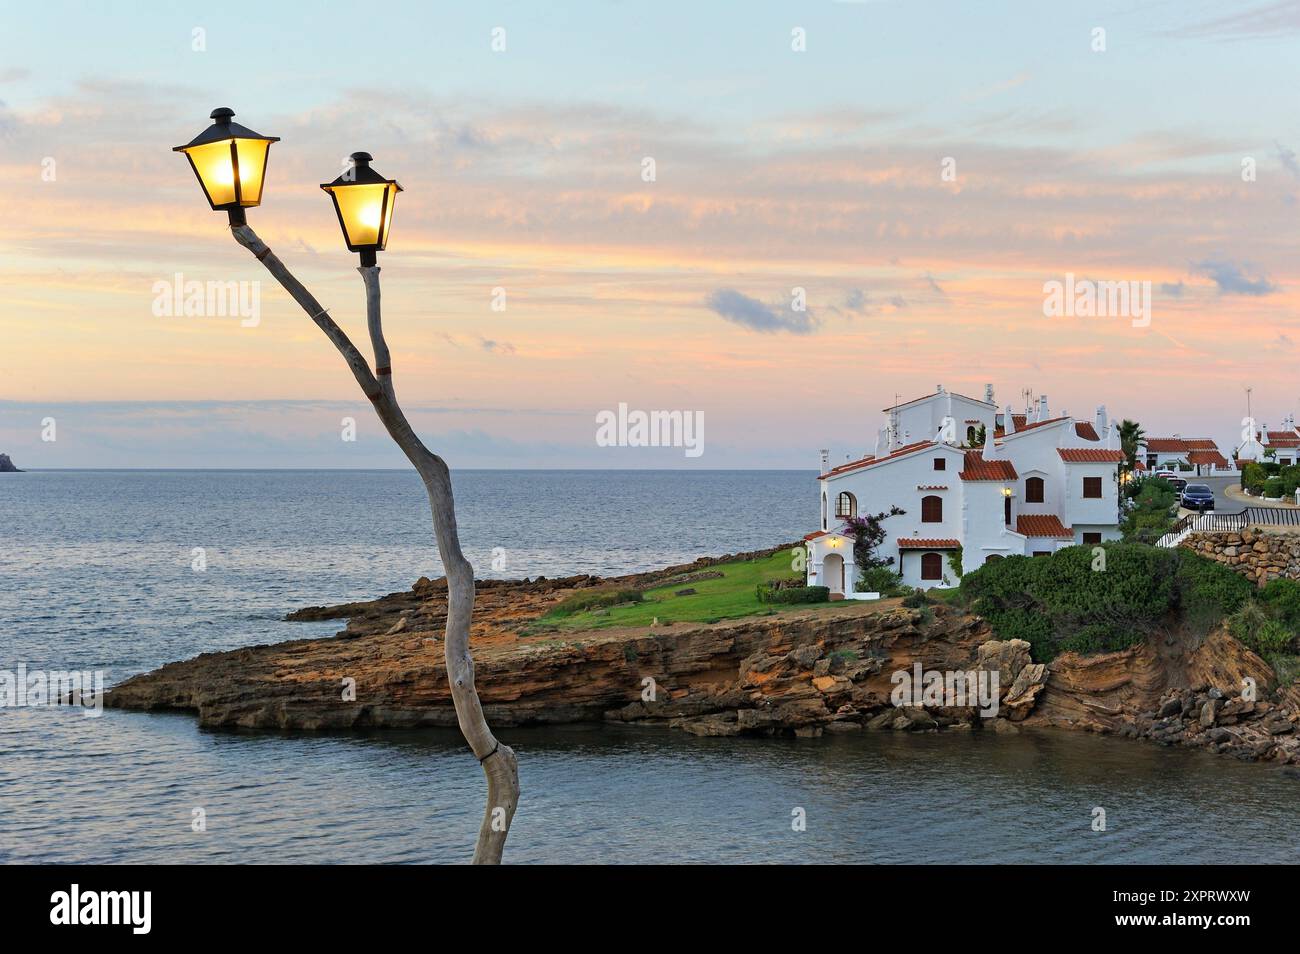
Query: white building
x: 1038, y: 484
x: 1171, y: 453
x: 1284, y: 444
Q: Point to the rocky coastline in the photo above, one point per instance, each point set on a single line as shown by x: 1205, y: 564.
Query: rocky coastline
x: 802, y: 671
x: 7, y: 465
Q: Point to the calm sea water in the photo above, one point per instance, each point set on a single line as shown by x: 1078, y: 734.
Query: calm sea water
x: 96, y: 572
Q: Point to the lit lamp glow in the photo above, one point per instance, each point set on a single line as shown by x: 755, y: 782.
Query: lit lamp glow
x: 363, y: 200
x: 230, y: 163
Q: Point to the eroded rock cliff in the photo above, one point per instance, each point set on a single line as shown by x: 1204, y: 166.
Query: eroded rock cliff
x: 802, y: 671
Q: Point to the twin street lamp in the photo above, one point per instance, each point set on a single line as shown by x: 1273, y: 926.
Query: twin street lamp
x: 230, y: 163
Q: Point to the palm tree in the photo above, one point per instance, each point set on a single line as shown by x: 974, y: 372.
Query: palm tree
x: 1131, y: 436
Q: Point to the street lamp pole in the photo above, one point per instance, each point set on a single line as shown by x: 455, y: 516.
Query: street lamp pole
x: 216, y: 169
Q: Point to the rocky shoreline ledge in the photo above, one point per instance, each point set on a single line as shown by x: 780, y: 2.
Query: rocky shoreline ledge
x: 803, y: 671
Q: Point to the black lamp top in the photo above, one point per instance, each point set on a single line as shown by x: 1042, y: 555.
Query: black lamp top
x: 360, y: 174
x: 221, y: 129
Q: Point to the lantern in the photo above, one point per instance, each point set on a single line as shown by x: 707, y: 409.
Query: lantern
x: 363, y: 200
x: 230, y: 163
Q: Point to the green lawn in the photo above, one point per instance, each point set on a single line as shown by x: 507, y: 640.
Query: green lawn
x: 725, y: 597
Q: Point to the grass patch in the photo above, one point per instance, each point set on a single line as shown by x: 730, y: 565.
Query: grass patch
x: 730, y: 596
x: 594, y: 599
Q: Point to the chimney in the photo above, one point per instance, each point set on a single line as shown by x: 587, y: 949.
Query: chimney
x: 1043, y: 413
x: 1101, y: 420
x: 826, y: 460
x: 938, y: 389
x: 1008, y: 422
x: 988, y: 394
x: 882, y: 441
x: 1263, y: 434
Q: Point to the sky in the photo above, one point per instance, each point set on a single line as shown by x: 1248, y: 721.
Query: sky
x: 912, y: 172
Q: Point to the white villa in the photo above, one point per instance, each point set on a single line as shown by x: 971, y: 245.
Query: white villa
x: 1201, y: 453
x: 1285, y: 445
x: 1038, y: 484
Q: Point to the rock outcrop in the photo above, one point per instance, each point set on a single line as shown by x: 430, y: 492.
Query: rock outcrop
x: 801, y: 671
x: 7, y: 466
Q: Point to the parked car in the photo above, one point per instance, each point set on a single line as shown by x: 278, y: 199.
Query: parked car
x: 1198, y: 497
x: 1177, y: 482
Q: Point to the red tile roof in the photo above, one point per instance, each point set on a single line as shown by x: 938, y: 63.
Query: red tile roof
x: 815, y: 534
x: 870, y: 459
x: 1043, y: 525
x: 1283, y: 439
x: 977, y: 468
x: 1179, y: 445
x: 1090, y: 455
x: 1207, y: 457
x: 1019, y: 421
x: 1085, y: 430
x: 914, y: 543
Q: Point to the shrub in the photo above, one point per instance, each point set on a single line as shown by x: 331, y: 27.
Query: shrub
x: 880, y: 579
x: 1152, y: 512
x: 916, y: 599
x: 1254, y: 626
x: 1273, y: 487
x: 1282, y: 596
x: 1063, y: 603
x: 792, y: 594
x: 1209, y: 591
x: 1253, y: 477
x: 590, y: 599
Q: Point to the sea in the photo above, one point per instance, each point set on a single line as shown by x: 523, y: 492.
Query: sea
x: 124, y: 571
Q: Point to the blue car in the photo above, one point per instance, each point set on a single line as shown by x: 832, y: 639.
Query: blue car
x: 1198, y: 497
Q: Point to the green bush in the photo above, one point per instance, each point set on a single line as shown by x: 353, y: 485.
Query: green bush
x: 916, y: 599
x: 880, y: 579
x: 1253, y: 477
x: 1256, y: 627
x: 1063, y: 603
x: 1152, y: 514
x: 1282, y: 596
x: 1273, y: 487
x: 590, y: 599
x: 792, y: 594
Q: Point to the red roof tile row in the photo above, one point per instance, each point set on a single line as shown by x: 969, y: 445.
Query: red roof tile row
x: 977, y: 468
x: 1043, y: 525
x: 1090, y: 455
x: 922, y: 543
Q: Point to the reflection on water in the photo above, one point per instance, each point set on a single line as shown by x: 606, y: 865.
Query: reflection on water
x: 616, y: 794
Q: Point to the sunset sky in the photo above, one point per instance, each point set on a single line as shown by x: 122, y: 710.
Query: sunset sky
x: 775, y: 169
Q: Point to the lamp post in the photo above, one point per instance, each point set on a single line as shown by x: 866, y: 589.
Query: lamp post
x: 230, y: 162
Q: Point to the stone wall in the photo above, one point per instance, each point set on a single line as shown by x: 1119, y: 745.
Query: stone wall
x: 1257, y: 554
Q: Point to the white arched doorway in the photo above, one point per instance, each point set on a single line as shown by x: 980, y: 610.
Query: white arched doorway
x: 833, y: 573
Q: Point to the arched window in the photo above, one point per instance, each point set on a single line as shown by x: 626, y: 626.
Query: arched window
x: 931, y: 566
x: 992, y: 557
x: 824, y: 527
x: 970, y: 435
x: 846, y: 505
x: 932, y: 509
x: 1033, y: 490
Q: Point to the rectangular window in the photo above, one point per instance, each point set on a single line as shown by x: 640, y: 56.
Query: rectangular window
x: 1042, y: 553
x: 940, y: 463
x: 1092, y: 487
x: 1089, y: 538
